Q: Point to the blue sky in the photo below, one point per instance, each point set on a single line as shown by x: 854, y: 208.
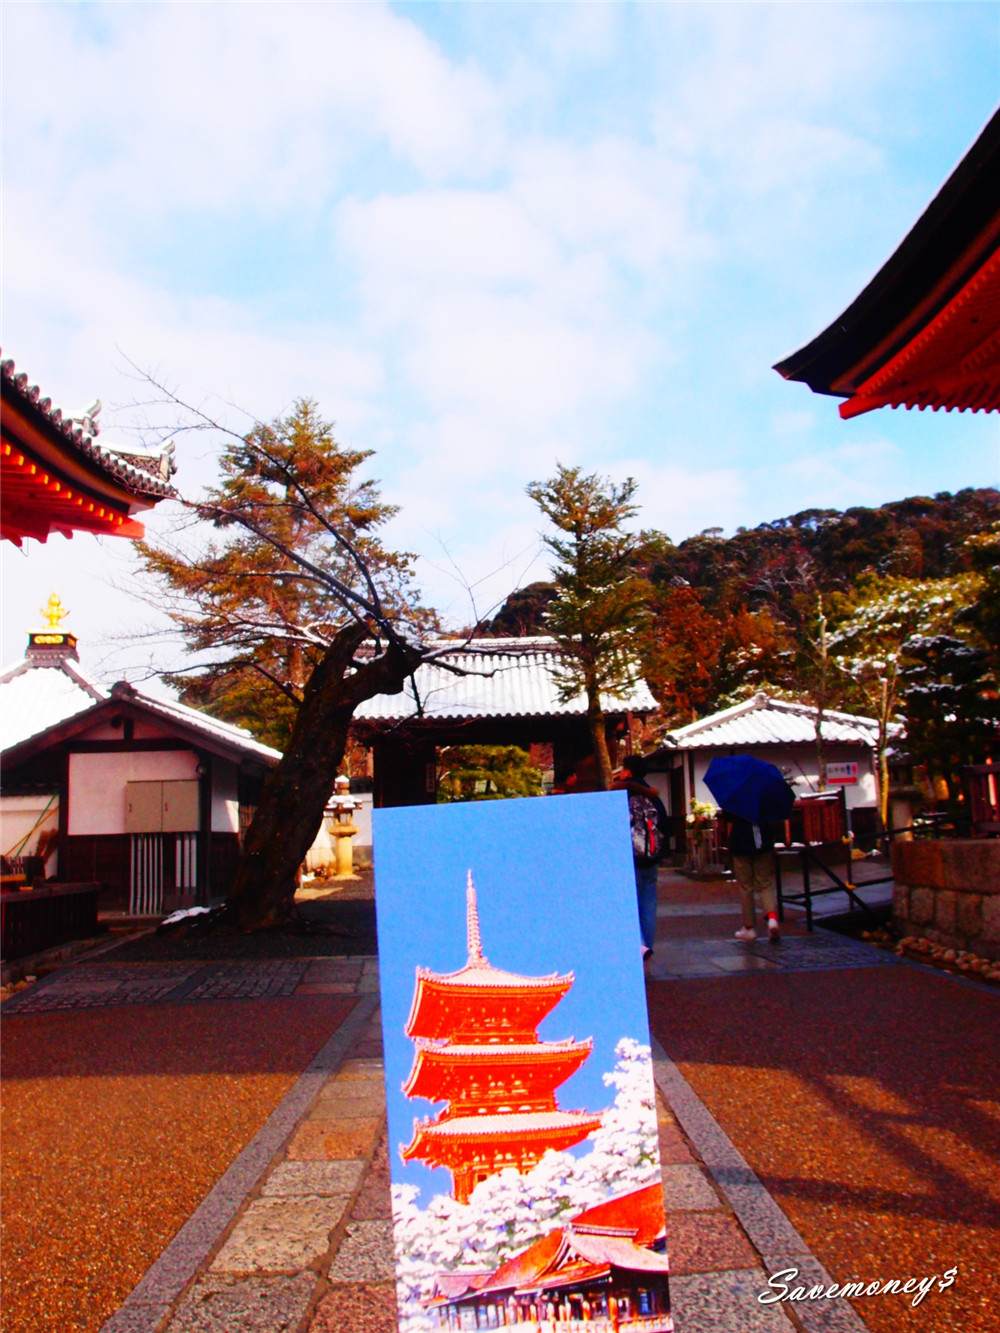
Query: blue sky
x: 556, y: 893
x: 485, y: 237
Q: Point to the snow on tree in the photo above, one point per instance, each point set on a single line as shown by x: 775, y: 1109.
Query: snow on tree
x: 507, y: 1212
x: 869, y: 644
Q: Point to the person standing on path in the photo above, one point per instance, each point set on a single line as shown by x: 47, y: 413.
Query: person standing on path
x: 751, y: 847
x: 648, y: 819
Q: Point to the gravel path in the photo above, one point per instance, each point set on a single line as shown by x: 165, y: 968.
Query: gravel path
x: 868, y: 1102
x: 116, y: 1122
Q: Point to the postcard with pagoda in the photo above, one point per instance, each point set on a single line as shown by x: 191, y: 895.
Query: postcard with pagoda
x: 522, y: 1120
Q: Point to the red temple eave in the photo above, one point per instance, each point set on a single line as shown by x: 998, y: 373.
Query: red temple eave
x: 448, y: 1140
x: 56, y: 477
x: 953, y: 362
x: 440, y: 1001
x: 439, y: 1072
x: 37, y: 502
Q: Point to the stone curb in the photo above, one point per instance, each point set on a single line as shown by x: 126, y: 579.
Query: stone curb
x: 765, y: 1224
x: 150, y: 1300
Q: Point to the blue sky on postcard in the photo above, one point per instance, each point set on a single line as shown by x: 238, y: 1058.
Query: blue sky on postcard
x: 485, y: 237
x: 555, y: 892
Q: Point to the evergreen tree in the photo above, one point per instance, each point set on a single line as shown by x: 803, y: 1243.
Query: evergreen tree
x: 486, y: 773
x: 870, y: 646
x: 601, y: 605
x: 950, y: 707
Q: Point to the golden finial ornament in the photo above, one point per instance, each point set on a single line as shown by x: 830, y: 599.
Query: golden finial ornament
x: 54, y: 612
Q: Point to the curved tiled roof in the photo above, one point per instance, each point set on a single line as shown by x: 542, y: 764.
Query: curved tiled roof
x: 142, y: 474
x: 172, y: 711
x: 509, y: 1123
x: 479, y: 972
x: 492, y: 678
x: 35, y: 697
x: 766, y: 721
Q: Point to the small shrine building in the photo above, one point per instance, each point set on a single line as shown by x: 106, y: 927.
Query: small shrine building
x: 142, y: 796
x: 478, y: 1050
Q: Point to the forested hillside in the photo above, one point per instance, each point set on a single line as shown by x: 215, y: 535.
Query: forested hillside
x: 771, y: 606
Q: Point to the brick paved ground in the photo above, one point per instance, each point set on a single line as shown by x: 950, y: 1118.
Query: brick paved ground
x: 296, y: 1234
x: 116, y: 1123
x: 864, y: 1092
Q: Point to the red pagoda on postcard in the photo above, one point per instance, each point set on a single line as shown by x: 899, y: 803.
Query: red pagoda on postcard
x: 477, y: 1049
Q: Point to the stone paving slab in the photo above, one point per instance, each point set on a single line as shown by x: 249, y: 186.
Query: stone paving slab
x: 334, y: 969
x: 315, y: 1179
x: 703, y: 1242
x: 354, y: 1097
x: 250, y: 981
x: 685, y: 1187
x: 362, y: 1307
x: 86, y: 986
x: 365, y: 1254
x: 374, y: 1201
x: 796, y: 953
x: 724, y: 1303
x: 250, y: 1305
x: 331, y: 1140
x: 277, y: 1235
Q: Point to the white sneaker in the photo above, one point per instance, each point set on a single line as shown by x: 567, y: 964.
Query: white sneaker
x: 745, y: 933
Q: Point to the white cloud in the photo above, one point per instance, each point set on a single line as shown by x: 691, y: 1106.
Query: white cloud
x: 569, y: 232
x: 160, y: 108
x: 682, y: 501
x: 859, y: 472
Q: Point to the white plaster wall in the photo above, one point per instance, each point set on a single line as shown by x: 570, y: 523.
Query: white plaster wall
x: 661, y: 781
x: 363, y: 820
x: 804, y: 774
x: 97, y: 784
x: 18, y: 816
x: 225, y: 797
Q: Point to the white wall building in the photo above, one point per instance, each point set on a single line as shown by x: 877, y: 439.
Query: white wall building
x: 784, y: 734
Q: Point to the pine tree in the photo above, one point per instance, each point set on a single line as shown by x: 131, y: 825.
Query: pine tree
x: 601, y: 605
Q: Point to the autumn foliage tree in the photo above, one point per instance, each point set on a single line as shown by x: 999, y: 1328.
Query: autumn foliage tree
x: 296, y: 611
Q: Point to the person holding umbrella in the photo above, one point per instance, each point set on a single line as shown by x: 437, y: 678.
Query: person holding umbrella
x: 752, y: 793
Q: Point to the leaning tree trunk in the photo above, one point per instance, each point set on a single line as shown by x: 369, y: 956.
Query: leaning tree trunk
x: 599, y: 738
x: 295, y: 793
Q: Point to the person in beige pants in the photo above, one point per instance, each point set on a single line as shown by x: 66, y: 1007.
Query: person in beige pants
x: 751, y: 847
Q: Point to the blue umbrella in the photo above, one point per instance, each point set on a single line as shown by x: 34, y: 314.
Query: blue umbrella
x: 749, y: 788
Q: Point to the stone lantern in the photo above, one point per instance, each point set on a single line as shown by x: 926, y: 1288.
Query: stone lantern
x: 341, y: 827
